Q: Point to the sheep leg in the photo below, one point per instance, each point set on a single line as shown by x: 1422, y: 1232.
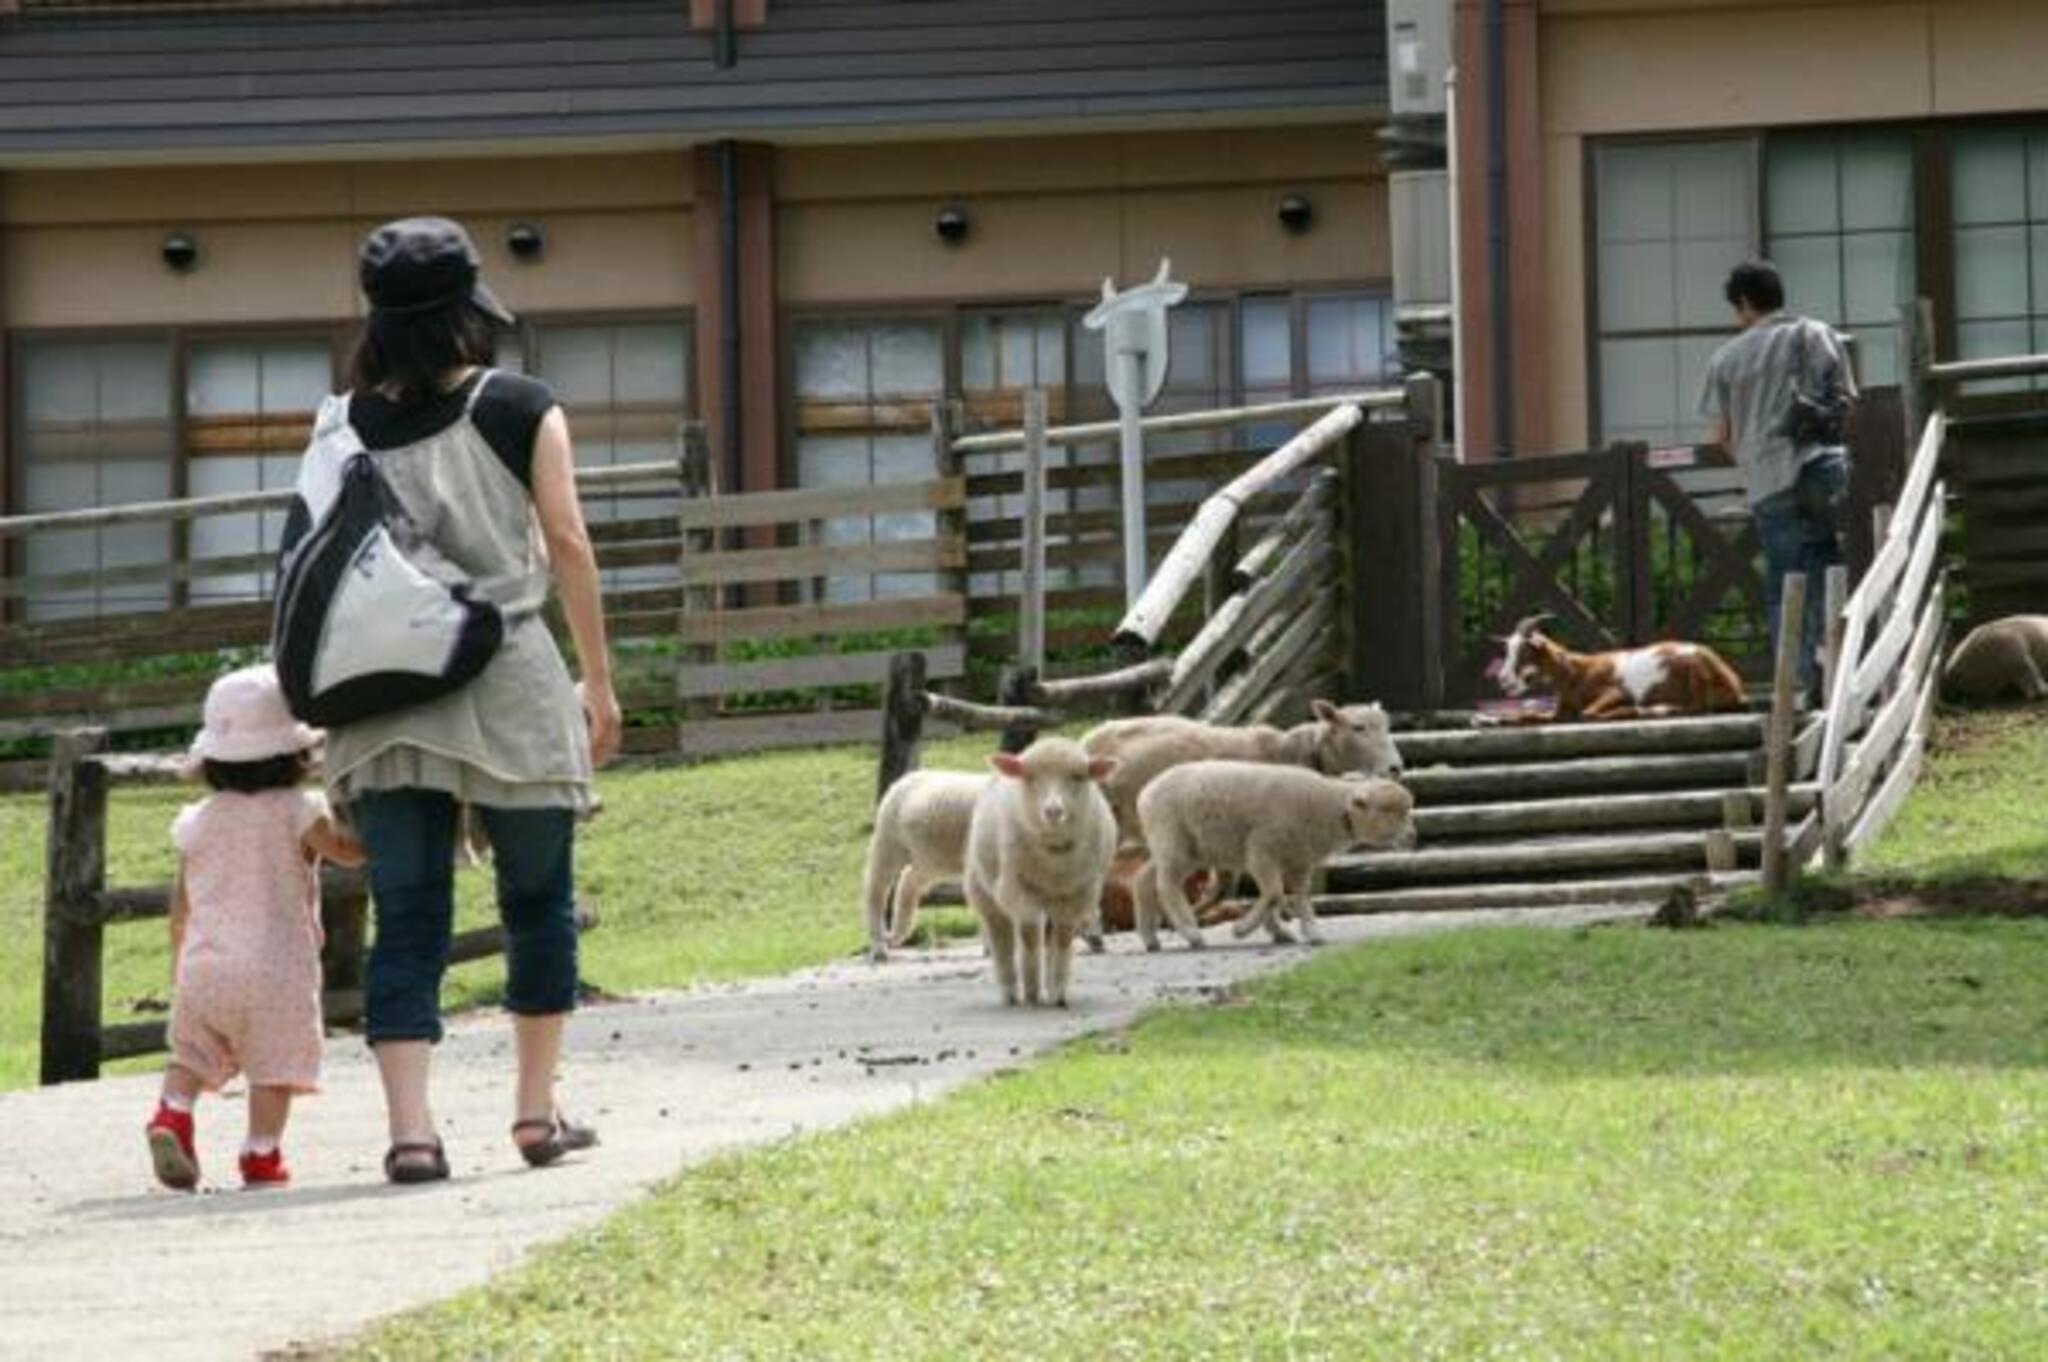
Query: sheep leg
x: 884, y: 871
x: 1272, y: 882
x: 1305, y: 909
x: 1059, y: 963
x: 1031, y: 949
x: 1093, y: 930
x: 909, y: 897
x: 1145, y: 905
x: 998, y: 933
x: 1169, y: 883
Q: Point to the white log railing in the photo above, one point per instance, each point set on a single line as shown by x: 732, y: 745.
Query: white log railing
x: 1882, y: 674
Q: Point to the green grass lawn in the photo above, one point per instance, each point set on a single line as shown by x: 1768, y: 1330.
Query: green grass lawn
x: 1750, y: 1141
x: 720, y: 871
x: 1980, y: 811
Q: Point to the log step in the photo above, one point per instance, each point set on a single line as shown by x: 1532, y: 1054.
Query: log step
x: 1556, y: 894
x: 1680, y: 808
x: 1707, y: 733
x: 1586, y: 775
x: 1533, y: 860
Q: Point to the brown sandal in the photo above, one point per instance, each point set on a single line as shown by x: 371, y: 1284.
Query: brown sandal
x: 563, y: 1137
x: 401, y: 1164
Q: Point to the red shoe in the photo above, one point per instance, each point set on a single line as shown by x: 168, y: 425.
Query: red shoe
x: 265, y: 1170
x: 171, y: 1150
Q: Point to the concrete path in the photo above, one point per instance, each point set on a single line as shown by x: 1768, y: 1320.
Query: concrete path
x: 95, y: 1262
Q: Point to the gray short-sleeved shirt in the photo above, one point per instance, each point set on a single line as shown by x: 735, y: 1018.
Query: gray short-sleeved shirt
x: 1749, y: 385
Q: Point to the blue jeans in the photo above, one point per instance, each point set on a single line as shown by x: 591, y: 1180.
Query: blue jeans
x: 1800, y: 530
x: 410, y: 836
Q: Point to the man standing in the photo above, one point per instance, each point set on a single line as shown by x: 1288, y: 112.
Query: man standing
x: 1776, y: 396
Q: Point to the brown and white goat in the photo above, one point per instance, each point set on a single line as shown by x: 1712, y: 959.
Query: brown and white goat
x: 1653, y: 681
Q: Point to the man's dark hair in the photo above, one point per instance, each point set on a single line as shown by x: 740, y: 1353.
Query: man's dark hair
x: 254, y: 777
x: 1756, y: 283
x: 411, y: 353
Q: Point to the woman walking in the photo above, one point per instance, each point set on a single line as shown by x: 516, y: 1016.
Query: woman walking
x: 481, y: 465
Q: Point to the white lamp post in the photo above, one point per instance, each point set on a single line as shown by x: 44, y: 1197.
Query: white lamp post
x: 1135, y: 363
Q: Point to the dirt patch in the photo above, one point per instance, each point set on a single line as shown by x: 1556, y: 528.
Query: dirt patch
x: 1952, y: 899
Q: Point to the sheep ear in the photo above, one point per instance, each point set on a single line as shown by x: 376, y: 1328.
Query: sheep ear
x: 1325, y: 711
x: 1007, y: 764
x: 1102, y: 768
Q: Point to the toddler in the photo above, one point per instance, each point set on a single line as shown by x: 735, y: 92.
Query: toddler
x: 245, y: 927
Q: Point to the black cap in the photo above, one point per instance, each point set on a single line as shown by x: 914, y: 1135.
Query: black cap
x: 420, y: 264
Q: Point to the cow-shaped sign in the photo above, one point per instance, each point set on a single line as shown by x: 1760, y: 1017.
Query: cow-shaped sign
x: 1133, y: 324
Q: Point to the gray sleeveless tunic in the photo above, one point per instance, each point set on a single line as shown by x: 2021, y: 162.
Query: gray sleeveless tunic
x: 515, y: 737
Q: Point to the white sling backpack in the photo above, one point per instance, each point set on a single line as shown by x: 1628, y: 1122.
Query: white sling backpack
x: 369, y: 619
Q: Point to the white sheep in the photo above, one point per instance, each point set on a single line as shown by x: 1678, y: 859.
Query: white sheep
x: 920, y: 840
x: 1276, y: 823
x: 1337, y: 741
x: 1038, y: 850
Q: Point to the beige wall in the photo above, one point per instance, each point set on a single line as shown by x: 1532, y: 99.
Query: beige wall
x: 1645, y: 66
x: 1051, y: 216
x: 80, y: 247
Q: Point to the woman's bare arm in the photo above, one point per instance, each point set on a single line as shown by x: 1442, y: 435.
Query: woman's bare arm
x: 575, y: 569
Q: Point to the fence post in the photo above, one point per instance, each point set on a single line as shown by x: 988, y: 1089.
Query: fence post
x: 1837, y: 586
x: 902, y: 720
x: 1031, y: 594
x: 1437, y: 602
x: 1778, y: 753
x: 1916, y: 353
x: 75, y: 870
x: 1018, y: 689
x: 693, y: 471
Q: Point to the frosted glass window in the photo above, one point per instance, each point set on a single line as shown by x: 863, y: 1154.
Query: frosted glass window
x: 249, y: 407
x: 1840, y: 211
x: 1266, y: 348
x: 626, y: 388
x: 864, y: 391
x: 1671, y: 219
x: 1350, y: 344
x: 95, y: 430
x: 2000, y: 188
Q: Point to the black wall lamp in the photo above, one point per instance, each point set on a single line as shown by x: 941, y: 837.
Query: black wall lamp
x: 1296, y: 213
x: 952, y: 224
x: 180, y: 251
x: 526, y: 241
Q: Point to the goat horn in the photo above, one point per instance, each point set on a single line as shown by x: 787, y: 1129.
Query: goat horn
x: 1528, y: 622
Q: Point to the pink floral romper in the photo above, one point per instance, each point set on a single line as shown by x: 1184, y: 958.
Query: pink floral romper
x: 248, y: 979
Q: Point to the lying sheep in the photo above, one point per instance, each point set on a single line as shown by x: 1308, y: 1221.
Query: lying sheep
x: 1276, y: 823
x: 1038, y: 849
x: 2004, y: 659
x: 920, y: 840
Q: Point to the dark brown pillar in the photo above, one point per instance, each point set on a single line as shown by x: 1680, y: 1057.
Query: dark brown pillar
x: 1527, y: 290
x: 744, y: 452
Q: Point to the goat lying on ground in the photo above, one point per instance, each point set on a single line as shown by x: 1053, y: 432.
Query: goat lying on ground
x: 2002, y: 660
x: 1654, y: 681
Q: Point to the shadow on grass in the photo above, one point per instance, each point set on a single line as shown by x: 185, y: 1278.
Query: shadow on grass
x: 1623, y: 1001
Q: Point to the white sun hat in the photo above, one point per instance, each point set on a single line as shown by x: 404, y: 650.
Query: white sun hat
x: 246, y: 720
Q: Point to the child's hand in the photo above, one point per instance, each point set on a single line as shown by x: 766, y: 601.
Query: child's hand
x: 331, y: 842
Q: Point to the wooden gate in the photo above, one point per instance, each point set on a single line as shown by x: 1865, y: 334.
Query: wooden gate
x: 1622, y: 545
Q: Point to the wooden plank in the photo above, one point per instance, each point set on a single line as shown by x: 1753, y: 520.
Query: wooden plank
x: 122, y: 721
x: 1227, y: 631
x: 1705, y: 733
x: 1639, y: 851
x: 139, y: 574
x: 849, y: 560
x: 1634, y: 889
x: 112, y: 697
x: 757, y: 733
x: 772, y: 622
x: 1877, y: 748
x: 1874, y: 669
x: 1580, y: 775
x: 805, y: 673
x: 1895, y: 547
x: 821, y: 503
x: 1314, y: 625
x: 1170, y: 582
x: 1778, y: 745
x: 1702, y: 809
x: 997, y: 442
x: 1031, y: 604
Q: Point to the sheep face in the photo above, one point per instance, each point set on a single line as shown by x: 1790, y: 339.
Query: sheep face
x: 1379, y: 813
x: 1355, y: 738
x: 1056, y: 774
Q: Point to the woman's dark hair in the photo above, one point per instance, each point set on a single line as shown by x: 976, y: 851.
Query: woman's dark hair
x: 1756, y: 283
x: 410, y: 354
x: 254, y: 777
